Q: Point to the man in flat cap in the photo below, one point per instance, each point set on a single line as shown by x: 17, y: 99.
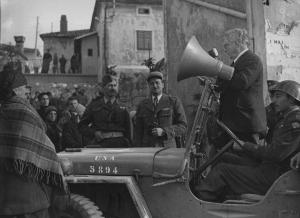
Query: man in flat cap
x: 159, y: 118
x: 105, y: 121
x: 29, y: 168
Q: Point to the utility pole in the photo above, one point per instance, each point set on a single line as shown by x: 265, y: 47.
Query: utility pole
x: 36, y: 34
x: 51, y: 27
x: 0, y: 21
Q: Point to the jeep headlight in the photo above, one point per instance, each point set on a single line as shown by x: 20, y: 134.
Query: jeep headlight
x: 66, y: 165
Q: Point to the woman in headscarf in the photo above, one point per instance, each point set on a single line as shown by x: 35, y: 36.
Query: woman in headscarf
x: 53, y: 130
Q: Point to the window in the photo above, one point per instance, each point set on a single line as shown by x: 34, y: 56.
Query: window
x: 143, y: 11
x: 144, y: 40
x: 90, y: 52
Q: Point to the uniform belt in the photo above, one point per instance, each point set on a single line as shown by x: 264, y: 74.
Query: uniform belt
x: 107, y: 135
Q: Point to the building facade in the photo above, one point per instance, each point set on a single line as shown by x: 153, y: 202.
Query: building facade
x: 62, y: 43
x: 129, y: 31
x: 88, y: 47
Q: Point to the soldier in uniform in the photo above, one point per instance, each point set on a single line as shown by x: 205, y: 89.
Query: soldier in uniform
x: 233, y: 179
x: 159, y: 118
x: 105, y: 121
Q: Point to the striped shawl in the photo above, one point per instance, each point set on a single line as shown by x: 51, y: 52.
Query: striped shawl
x: 25, y: 148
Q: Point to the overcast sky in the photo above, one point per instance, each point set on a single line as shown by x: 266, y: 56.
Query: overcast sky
x: 18, y: 17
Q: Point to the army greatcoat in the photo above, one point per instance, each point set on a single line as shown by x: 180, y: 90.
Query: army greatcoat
x: 106, y: 117
x: 232, y: 179
x: 168, y: 115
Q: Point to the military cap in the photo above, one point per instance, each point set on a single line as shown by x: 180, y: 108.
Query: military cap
x: 155, y: 74
x: 290, y: 87
x: 107, y: 78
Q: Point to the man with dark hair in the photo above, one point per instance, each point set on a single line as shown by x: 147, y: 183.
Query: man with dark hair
x: 30, y: 172
x: 273, y: 158
x: 159, y: 118
x: 75, y: 106
x: 105, y: 121
x: 44, y: 102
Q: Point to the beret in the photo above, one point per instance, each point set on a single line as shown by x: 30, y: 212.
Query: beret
x: 107, y: 78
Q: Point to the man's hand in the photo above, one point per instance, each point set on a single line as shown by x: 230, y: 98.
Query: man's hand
x: 157, y: 131
x: 98, y: 136
x: 295, y: 162
x: 237, y: 147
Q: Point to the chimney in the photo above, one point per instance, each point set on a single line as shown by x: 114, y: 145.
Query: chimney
x: 63, y: 24
x: 20, y: 43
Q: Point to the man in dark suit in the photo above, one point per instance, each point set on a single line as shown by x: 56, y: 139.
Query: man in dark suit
x: 159, y: 118
x: 241, y: 101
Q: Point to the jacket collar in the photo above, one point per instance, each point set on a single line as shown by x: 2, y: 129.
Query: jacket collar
x: 290, y: 110
x: 237, y: 60
x: 161, y: 104
x: 240, y: 54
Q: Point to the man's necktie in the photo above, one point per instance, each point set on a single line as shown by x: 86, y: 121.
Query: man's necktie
x: 155, y: 101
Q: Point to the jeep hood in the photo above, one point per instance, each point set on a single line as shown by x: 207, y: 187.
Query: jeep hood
x: 157, y: 162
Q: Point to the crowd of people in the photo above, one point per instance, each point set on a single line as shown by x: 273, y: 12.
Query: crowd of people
x: 61, y: 116
x: 55, y: 64
x: 250, y: 167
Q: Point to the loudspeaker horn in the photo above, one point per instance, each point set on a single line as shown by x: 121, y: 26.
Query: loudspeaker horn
x: 195, y: 61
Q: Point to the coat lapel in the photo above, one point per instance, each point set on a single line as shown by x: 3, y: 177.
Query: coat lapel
x: 149, y: 104
x: 163, y: 102
x: 240, y: 59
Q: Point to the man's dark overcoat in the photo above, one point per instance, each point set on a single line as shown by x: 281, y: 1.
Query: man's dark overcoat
x: 242, y: 103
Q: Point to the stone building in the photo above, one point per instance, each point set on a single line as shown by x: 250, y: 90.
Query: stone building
x: 129, y: 31
x: 62, y: 42
x: 88, y: 48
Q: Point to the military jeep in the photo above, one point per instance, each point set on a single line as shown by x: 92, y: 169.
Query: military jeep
x: 154, y: 182
x: 158, y: 182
